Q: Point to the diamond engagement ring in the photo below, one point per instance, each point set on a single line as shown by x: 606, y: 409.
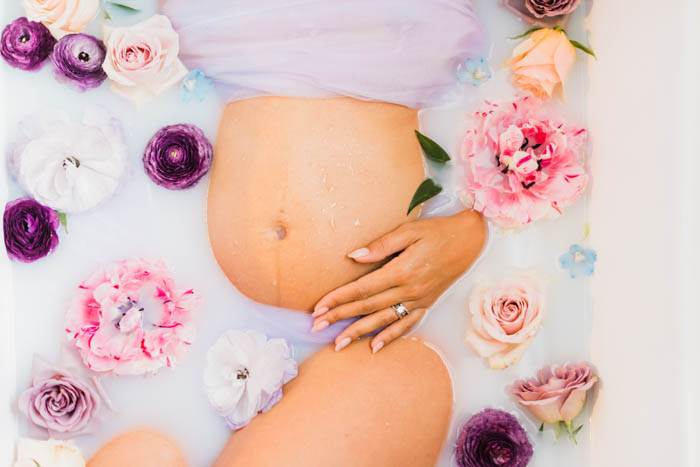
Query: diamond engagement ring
x: 400, y: 310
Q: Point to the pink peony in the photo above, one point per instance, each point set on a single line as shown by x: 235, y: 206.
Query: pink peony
x: 521, y: 166
x: 128, y: 318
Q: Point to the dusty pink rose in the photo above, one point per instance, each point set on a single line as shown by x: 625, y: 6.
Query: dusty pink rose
x: 142, y: 60
x: 129, y: 318
x: 558, y: 393
x: 505, y: 316
x: 545, y: 13
x: 520, y: 165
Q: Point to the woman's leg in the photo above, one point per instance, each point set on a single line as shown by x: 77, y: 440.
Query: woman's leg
x: 353, y: 408
x: 139, y: 448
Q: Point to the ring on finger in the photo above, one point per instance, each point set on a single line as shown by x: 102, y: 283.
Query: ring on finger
x: 400, y: 310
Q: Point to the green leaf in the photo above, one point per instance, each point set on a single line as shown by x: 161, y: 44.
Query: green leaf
x: 557, y: 429
x: 432, y: 150
x: 63, y: 219
x: 525, y: 34
x: 541, y: 427
x: 580, y: 46
x: 107, y: 17
x: 577, y: 430
x: 35, y: 462
x: 125, y: 8
x: 425, y: 191
x: 560, y: 29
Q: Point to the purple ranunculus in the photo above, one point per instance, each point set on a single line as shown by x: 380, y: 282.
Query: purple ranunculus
x: 59, y: 402
x: 26, y: 44
x: 178, y: 156
x: 542, y: 12
x: 30, y: 230
x: 78, y: 59
x: 493, y: 438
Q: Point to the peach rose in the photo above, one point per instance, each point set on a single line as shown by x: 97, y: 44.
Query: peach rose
x: 557, y: 394
x: 62, y: 16
x: 541, y: 62
x: 505, y: 318
x: 142, y: 60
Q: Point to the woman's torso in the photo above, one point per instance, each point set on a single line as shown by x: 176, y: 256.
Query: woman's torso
x: 299, y: 183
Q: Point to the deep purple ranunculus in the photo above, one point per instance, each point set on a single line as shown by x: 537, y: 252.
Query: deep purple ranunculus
x: 178, y: 156
x: 78, y: 59
x: 30, y: 230
x: 493, y: 438
x: 26, y: 44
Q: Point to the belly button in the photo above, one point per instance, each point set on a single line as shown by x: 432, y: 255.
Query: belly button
x: 281, y: 232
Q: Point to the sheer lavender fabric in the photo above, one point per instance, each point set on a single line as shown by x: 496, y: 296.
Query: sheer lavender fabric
x: 399, y: 51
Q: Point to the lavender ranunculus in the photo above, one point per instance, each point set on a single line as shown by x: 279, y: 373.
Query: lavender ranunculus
x: 26, y: 44
x: 78, y: 59
x: 544, y: 13
x: 178, y: 156
x: 493, y: 438
x: 30, y: 230
x: 59, y: 402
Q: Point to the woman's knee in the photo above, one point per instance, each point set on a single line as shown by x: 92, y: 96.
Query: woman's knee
x: 139, y: 448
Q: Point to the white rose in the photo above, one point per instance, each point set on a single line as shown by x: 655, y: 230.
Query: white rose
x: 51, y: 453
x: 62, y: 16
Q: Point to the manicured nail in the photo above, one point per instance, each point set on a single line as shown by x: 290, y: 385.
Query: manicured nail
x: 342, y: 344
x: 377, y: 347
x: 319, y: 312
x: 359, y: 253
x: 320, y: 326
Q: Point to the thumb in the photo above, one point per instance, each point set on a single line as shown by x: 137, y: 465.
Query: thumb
x: 386, y: 245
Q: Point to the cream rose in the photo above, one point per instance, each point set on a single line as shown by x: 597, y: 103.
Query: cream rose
x: 62, y: 17
x: 542, y: 61
x: 505, y: 317
x: 142, y: 60
x: 50, y: 453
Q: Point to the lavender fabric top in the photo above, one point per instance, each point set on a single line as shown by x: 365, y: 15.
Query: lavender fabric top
x: 400, y: 51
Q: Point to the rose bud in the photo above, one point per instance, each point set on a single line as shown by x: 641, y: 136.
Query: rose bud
x: 493, y: 438
x: 78, y: 59
x: 30, y: 230
x: 26, y: 44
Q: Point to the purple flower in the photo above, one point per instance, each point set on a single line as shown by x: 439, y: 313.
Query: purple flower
x: 78, y: 59
x: 493, y: 438
x: 30, y: 230
x: 542, y: 12
x: 59, y: 402
x: 26, y: 44
x: 178, y: 156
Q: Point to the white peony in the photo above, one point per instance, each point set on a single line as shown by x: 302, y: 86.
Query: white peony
x: 244, y: 375
x: 70, y: 167
x: 51, y: 453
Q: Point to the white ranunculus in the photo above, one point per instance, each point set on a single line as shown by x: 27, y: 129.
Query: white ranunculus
x: 62, y: 16
x: 51, y: 453
x: 244, y: 375
x: 68, y: 166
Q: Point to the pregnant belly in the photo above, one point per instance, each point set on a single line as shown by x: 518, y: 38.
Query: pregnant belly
x: 297, y: 184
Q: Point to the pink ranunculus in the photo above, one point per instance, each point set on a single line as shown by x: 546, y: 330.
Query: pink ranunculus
x: 558, y: 393
x: 128, y: 318
x: 505, y: 316
x: 142, y: 59
x: 521, y: 165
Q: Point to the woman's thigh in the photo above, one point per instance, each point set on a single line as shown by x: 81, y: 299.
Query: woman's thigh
x: 352, y: 408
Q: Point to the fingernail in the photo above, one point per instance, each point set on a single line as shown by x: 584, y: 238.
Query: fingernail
x: 342, y: 344
x: 319, y: 312
x: 359, y: 253
x: 320, y: 326
x: 377, y: 347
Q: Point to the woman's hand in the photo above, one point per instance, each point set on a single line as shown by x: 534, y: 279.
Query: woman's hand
x: 433, y: 253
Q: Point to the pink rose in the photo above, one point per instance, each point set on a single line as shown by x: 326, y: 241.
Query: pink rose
x: 557, y: 394
x: 505, y: 318
x: 142, y: 59
x: 62, y: 17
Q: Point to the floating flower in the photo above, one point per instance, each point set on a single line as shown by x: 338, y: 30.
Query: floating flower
x: 244, y: 375
x: 30, y: 230
x: 505, y: 316
x: 579, y: 261
x: 51, y: 453
x: 474, y: 71
x: 195, y: 86
x: 128, y: 318
x: 493, y: 438
x: 59, y: 402
x: 521, y: 166
x: 78, y: 59
x: 142, y: 59
x: 542, y: 12
x: 26, y: 44
x: 62, y: 16
x: 178, y: 156
x: 71, y: 167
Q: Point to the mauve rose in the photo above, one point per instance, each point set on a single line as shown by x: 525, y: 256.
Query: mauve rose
x: 30, y: 230
x: 558, y: 393
x: 493, y: 438
x: 26, y: 44
x: 78, y: 59
x: 178, y: 156
x: 59, y: 402
x: 542, y: 12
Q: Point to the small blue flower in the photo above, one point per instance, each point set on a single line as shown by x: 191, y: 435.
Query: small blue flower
x: 474, y: 71
x: 579, y: 261
x: 195, y: 86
